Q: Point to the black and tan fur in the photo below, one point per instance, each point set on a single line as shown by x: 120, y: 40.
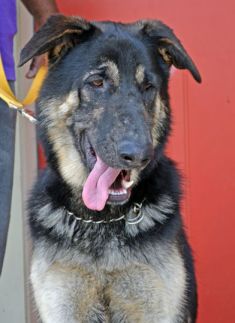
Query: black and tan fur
x: 108, y: 82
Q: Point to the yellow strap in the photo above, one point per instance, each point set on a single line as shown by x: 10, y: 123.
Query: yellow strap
x: 8, y: 96
x: 35, y: 86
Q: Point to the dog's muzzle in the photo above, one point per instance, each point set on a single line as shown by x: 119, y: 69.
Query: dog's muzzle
x: 112, y: 185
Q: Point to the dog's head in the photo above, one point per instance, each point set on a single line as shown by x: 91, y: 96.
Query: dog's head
x: 103, y: 109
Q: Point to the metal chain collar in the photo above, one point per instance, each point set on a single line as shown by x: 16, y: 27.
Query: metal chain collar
x: 129, y: 218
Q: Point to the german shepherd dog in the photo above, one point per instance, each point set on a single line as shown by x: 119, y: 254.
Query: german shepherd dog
x: 109, y: 244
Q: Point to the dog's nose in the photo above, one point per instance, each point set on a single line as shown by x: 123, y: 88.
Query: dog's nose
x: 134, y: 155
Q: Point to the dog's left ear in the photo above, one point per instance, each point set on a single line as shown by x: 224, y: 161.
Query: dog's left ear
x: 169, y: 46
x: 58, y: 35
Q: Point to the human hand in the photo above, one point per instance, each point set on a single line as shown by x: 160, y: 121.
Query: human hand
x: 34, y: 66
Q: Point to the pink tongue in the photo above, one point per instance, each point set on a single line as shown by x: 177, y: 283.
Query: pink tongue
x: 96, y: 188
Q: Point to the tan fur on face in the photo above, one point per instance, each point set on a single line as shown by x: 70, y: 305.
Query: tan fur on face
x: 139, y: 74
x: 134, y: 176
x: 158, y: 118
x: 69, y: 161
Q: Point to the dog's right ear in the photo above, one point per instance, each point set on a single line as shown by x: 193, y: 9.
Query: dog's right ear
x: 169, y: 46
x: 56, y: 37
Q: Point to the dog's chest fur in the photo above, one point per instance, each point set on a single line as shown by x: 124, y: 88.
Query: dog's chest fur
x: 120, y: 287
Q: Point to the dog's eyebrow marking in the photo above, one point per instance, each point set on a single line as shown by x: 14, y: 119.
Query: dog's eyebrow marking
x: 92, y: 72
x: 112, y: 70
x: 139, y: 74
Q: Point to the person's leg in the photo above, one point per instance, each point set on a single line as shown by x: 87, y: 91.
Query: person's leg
x: 7, y: 152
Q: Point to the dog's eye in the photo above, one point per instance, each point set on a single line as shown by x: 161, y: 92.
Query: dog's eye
x: 97, y: 83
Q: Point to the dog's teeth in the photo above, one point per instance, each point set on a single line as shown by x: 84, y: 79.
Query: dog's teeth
x: 118, y: 192
x: 112, y: 192
x: 127, y: 184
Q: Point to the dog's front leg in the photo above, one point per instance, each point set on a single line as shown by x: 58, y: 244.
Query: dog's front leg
x: 66, y: 294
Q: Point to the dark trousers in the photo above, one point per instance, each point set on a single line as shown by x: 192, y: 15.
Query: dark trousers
x: 7, y: 153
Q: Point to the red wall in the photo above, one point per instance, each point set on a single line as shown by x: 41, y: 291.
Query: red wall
x: 203, y: 133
